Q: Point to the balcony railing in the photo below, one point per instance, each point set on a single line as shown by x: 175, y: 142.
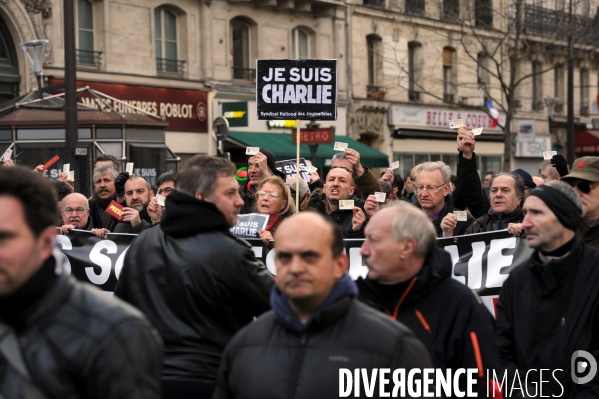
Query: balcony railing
x: 244, y: 73
x: 88, y: 58
x: 169, y: 66
x: 414, y: 95
x: 539, y: 21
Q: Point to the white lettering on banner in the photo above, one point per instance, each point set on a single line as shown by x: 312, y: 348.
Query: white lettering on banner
x: 455, y: 258
x: 65, y: 245
x: 297, y: 94
x: 496, y: 261
x: 475, y: 265
x: 97, y: 257
x: 118, y: 266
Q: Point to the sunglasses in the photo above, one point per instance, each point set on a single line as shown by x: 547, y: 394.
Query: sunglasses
x: 583, y: 186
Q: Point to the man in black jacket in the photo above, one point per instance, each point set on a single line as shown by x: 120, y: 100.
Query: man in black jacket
x: 549, y: 309
x: 409, y: 278
x: 339, y: 185
x: 317, y: 327
x: 60, y: 338
x: 197, y: 283
x: 109, y: 185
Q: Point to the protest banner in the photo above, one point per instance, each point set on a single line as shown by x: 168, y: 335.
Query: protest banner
x: 289, y: 167
x: 481, y: 261
x: 296, y: 89
x: 249, y: 225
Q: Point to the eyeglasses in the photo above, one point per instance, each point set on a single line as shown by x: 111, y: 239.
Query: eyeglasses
x: 79, y: 211
x: 583, y: 186
x: 262, y: 193
x: 420, y: 187
x: 165, y: 190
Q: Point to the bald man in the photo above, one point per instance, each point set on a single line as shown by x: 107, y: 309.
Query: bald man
x: 75, y: 213
x: 317, y: 325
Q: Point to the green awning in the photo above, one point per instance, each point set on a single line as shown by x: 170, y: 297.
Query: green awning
x: 282, y: 146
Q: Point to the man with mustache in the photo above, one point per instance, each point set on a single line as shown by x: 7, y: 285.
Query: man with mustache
x: 75, y: 213
x: 108, y: 186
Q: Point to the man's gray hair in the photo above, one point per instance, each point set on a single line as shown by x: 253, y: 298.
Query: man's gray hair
x: 339, y: 156
x: 200, y: 175
x: 100, y: 170
x: 411, y: 222
x: 438, y: 165
x: 303, y: 186
x: 519, y: 185
x: 568, y: 191
x: 551, y: 171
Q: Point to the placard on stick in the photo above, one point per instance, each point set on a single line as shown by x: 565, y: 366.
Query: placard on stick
x: 296, y: 89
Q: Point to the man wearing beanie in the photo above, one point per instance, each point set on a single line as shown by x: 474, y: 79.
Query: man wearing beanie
x: 548, y: 309
x: 260, y: 166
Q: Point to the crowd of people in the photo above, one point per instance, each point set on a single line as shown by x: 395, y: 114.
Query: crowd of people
x: 196, y: 315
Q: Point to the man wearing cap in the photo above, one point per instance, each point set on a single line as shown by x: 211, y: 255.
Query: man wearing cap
x: 260, y: 166
x: 529, y: 184
x: 548, y: 309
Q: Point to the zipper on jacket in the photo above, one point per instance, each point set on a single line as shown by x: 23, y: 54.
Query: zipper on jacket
x: 423, y: 321
x: 477, y: 354
x: 297, y: 365
x: 403, y: 297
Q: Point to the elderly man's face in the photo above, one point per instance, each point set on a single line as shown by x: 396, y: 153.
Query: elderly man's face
x: 543, y: 230
x: 431, y: 190
x: 21, y: 253
x: 380, y: 251
x: 503, y: 195
x: 338, y: 185
x: 226, y: 198
x: 137, y: 194
x: 104, y: 186
x: 75, y: 210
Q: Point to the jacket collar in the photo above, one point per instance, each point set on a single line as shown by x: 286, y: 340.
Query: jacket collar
x: 558, y: 269
x: 328, y: 312
x: 189, y: 216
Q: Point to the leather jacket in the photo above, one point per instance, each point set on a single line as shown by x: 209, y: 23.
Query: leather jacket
x: 197, y: 283
x: 78, y: 343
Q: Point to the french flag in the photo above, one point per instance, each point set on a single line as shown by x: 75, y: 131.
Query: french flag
x: 494, y: 113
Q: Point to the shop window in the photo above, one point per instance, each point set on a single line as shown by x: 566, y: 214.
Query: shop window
x: 85, y: 133
x: 5, y: 135
x: 115, y: 148
x: 408, y: 161
x: 85, y: 32
x: 144, y: 134
x: 240, y: 50
x: 109, y: 133
x: 301, y: 44
x: 40, y: 134
x: 448, y: 74
x: 166, y: 41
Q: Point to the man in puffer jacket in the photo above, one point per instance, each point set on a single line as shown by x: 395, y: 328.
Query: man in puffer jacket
x: 317, y: 328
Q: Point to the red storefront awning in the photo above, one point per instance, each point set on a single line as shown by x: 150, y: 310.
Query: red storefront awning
x: 586, y: 142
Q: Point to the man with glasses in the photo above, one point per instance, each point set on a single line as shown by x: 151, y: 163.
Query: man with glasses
x: 75, y: 213
x: 584, y: 177
x: 434, y: 195
x: 166, y: 183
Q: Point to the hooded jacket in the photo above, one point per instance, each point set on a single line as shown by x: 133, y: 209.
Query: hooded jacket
x: 545, y: 313
x: 444, y: 314
x: 494, y: 222
x: 197, y: 283
x: 279, y: 357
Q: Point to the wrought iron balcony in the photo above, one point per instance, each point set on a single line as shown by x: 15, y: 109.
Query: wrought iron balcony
x: 88, y: 58
x: 244, y: 73
x: 169, y: 66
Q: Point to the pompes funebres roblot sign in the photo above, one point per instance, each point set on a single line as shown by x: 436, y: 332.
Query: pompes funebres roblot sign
x: 296, y: 89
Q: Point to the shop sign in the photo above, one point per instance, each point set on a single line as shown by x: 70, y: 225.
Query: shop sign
x: 184, y: 110
x: 315, y: 136
x: 417, y: 117
x: 236, y: 113
x: 282, y: 124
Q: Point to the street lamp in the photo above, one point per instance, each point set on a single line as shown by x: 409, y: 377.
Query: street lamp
x: 35, y: 50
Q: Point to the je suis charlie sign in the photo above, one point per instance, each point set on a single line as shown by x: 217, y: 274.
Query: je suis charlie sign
x: 296, y: 89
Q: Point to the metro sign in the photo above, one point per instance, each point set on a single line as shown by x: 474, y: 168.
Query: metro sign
x: 315, y: 136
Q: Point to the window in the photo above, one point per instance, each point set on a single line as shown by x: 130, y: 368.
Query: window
x: 166, y: 40
x: 448, y: 55
x: 451, y: 10
x: 85, y: 32
x: 483, y: 75
x: 300, y: 44
x: 374, y: 62
x: 537, y: 86
x: 408, y: 161
x: 558, y: 82
x: 484, y: 13
x: 584, y: 92
x: 240, y: 48
x: 414, y: 53
x: 415, y: 7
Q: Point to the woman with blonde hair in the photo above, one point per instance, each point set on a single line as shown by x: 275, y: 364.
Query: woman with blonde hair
x: 273, y: 198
